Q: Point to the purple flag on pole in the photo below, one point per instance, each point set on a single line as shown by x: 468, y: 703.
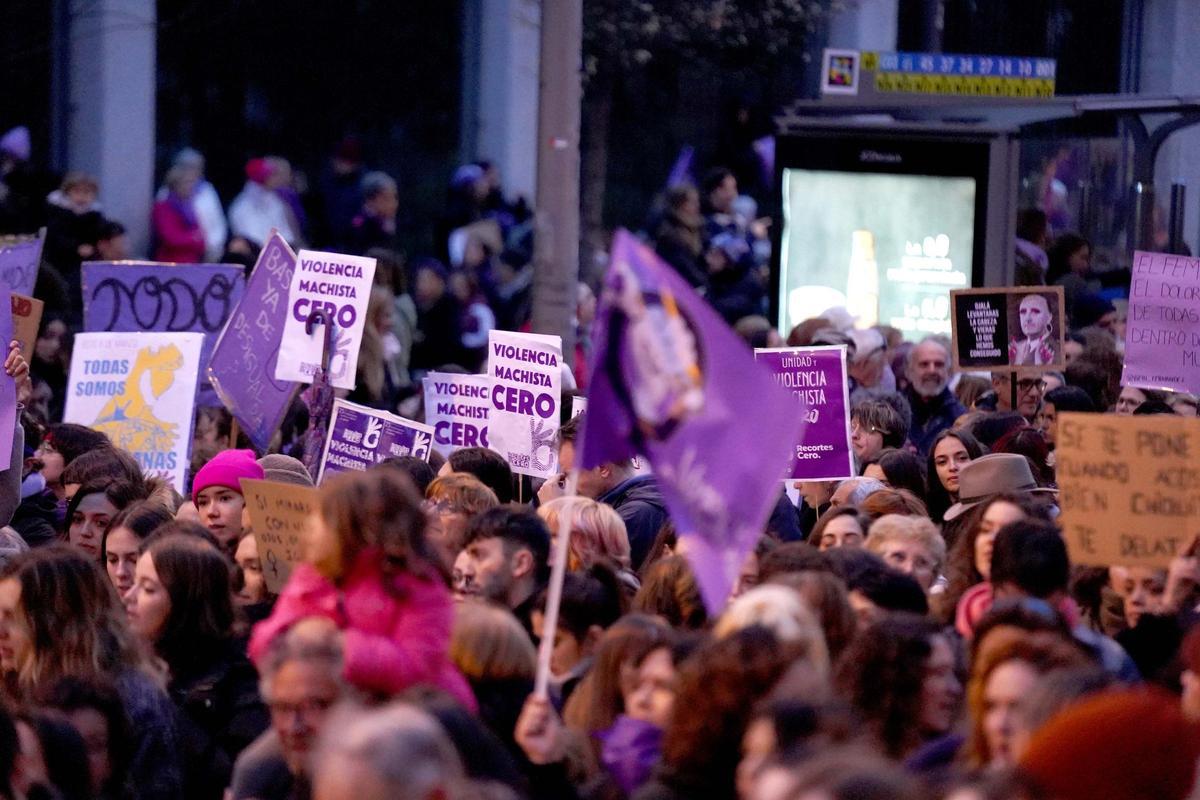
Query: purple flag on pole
x: 671, y: 381
x: 242, y: 366
x: 20, y: 258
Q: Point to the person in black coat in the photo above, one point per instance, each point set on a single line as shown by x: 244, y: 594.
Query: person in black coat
x: 181, y: 602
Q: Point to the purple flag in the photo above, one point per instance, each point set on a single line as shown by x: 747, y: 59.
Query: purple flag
x: 673, y: 382
x: 133, y: 297
x: 816, y: 379
x: 681, y: 170
x: 242, y: 366
x: 361, y: 437
x: 8, y: 387
x: 20, y: 258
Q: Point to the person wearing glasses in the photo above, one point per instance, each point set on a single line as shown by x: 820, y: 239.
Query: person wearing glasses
x: 874, y: 426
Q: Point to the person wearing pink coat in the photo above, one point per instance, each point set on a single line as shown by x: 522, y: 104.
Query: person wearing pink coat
x: 369, y: 569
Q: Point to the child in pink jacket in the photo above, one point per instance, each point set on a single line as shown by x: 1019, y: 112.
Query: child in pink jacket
x: 369, y: 569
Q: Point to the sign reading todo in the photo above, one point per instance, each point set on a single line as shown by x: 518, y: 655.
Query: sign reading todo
x: 278, y: 514
x: 1129, y: 487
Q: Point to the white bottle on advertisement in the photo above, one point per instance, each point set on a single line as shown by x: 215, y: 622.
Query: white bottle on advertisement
x: 862, y: 284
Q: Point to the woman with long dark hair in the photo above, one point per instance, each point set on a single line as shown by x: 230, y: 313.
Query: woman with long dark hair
x: 950, y: 451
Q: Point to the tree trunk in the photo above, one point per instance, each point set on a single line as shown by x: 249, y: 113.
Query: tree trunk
x: 596, y: 112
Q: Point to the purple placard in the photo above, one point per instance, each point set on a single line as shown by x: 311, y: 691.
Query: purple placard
x: 8, y: 387
x: 130, y: 296
x: 816, y: 379
x: 361, y: 437
x: 242, y: 365
x: 20, y: 260
x: 672, y: 381
x: 1162, y: 333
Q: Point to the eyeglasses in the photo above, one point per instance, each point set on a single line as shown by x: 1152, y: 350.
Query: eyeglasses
x: 438, y: 507
x: 856, y: 429
x: 1025, y: 384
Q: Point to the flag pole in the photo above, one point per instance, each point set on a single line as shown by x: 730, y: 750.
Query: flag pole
x: 554, y: 592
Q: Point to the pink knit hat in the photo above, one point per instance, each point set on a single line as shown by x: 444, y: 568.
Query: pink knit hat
x: 227, y: 468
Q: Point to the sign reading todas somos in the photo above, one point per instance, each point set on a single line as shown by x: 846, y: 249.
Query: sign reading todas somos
x: 1129, y: 488
x: 340, y: 286
x: 457, y: 407
x: 1162, y: 334
x: 1003, y: 329
x: 279, y: 513
x: 361, y: 437
x: 140, y: 390
x: 526, y: 373
x: 242, y: 367
x: 816, y: 379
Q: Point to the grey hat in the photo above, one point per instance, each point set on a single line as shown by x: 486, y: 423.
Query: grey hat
x: 285, y: 469
x: 990, y: 475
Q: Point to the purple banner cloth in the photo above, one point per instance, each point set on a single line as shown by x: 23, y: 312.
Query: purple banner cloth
x: 673, y: 382
x: 681, y: 170
x: 816, y: 379
x: 1162, y: 333
x: 8, y: 387
x: 19, y: 263
x: 242, y: 365
x: 361, y: 437
x: 143, y: 296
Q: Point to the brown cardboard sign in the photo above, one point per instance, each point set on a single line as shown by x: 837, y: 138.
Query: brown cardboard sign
x: 278, y: 515
x: 27, y: 318
x: 1129, y: 487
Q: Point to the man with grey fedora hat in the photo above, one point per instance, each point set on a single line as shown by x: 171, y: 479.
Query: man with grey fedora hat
x: 990, y: 475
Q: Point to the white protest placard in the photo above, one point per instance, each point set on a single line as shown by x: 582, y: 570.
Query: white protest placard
x: 340, y: 286
x: 578, y: 405
x: 457, y: 406
x: 140, y: 390
x: 526, y: 373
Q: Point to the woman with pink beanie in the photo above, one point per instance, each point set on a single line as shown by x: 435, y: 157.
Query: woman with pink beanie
x: 217, y: 493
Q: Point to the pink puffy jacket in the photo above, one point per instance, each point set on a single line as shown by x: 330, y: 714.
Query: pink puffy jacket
x: 393, y: 639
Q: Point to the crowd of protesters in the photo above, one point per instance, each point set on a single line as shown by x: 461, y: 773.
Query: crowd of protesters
x: 917, y: 631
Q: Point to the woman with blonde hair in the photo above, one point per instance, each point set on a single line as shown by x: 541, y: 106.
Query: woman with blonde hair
x: 786, y: 614
x: 910, y: 544
x: 597, y: 531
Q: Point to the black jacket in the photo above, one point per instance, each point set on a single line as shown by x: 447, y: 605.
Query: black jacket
x: 639, y: 502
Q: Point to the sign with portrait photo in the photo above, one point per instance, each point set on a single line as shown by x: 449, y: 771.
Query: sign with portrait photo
x: 1003, y: 329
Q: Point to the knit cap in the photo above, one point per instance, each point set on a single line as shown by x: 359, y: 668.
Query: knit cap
x: 227, y: 468
x: 285, y: 469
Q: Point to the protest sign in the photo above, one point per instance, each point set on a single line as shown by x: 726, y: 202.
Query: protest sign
x: 456, y: 406
x: 1004, y: 329
x: 816, y: 379
x: 526, y: 391
x: 578, y: 405
x: 361, y: 437
x: 1129, y: 487
x: 132, y: 296
x: 26, y: 318
x: 8, y: 386
x: 1162, y: 333
x: 20, y: 259
x: 242, y: 365
x: 140, y: 390
x: 340, y: 286
x: 279, y: 513
x: 673, y: 382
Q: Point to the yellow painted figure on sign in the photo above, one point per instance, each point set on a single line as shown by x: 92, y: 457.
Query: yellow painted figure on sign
x: 128, y: 418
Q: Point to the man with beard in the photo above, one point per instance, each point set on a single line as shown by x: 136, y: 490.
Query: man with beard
x: 934, y: 406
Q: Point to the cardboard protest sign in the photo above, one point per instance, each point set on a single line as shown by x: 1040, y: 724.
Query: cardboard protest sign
x: 1129, y: 488
x: 242, y: 365
x: 20, y: 259
x: 139, y: 296
x: 26, y: 318
x: 816, y: 378
x: 1004, y: 329
x: 279, y: 513
x: 1162, y: 334
x: 140, y: 390
x: 526, y: 377
x: 340, y: 286
x: 361, y: 437
x: 457, y: 406
x: 578, y: 405
x: 8, y: 387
